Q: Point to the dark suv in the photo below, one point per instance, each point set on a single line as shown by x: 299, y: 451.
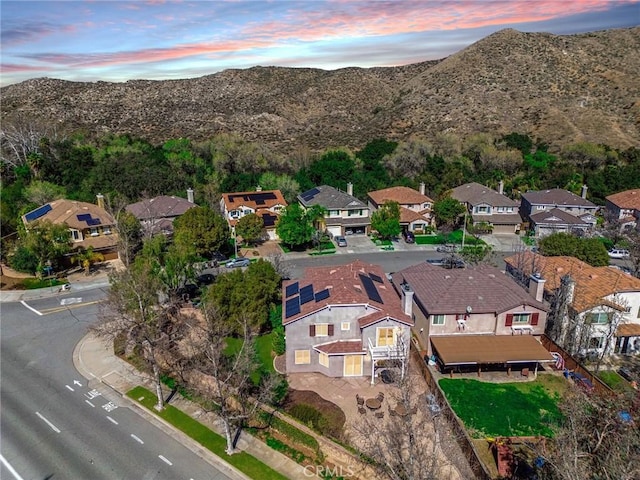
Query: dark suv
x: 408, y: 236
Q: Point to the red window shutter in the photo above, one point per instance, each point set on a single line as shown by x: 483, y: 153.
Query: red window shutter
x: 330, y: 329
x: 312, y: 330
x: 534, y: 318
x: 509, y: 321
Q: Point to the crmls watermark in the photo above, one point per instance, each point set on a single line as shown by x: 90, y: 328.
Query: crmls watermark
x: 323, y: 471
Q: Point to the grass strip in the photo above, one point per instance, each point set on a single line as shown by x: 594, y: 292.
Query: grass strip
x: 206, y: 437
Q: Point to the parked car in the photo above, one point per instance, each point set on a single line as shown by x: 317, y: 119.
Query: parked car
x: 408, y: 236
x: 238, y: 262
x: 447, y: 262
x: 618, y: 253
x: 205, y: 279
x: 340, y: 241
x: 447, y: 248
x: 218, y: 256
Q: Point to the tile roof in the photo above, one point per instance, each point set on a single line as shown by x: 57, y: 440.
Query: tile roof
x: 484, y: 288
x: 254, y: 200
x: 473, y: 193
x: 402, y: 195
x: 555, y: 216
x: 629, y: 199
x: 556, y: 196
x: 330, y: 198
x: 407, y: 216
x: 346, y: 288
x: 341, y: 347
x: 470, y: 349
x: 593, y: 284
x: 67, y: 211
x: 628, y: 330
x: 159, y: 207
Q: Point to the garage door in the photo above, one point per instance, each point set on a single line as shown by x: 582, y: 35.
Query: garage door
x: 334, y: 230
x: 504, y: 229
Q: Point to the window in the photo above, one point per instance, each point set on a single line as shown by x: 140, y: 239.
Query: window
x: 344, y: 326
x: 501, y: 209
x: 94, y: 231
x: 334, y: 213
x: 601, y: 318
x: 540, y: 207
x: 596, y: 342
x: 385, y: 337
x: 482, y: 209
x: 323, y: 359
x: 303, y: 357
x: 352, y: 365
x: 354, y: 212
x: 521, y: 318
x: 638, y: 312
x: 106, y: 230
x: 75, y: 234
x: 437, y: 319
x: 322, y: 329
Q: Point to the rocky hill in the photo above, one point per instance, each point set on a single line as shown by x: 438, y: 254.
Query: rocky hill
x: 561, y: 88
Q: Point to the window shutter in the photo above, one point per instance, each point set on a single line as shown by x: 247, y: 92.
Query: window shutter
x: 509, y: 321
x: 534, y: 318
x: 312, y: 330
x: 330, y: 329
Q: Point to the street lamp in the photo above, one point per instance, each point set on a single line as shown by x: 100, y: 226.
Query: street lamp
x: 48, y: 268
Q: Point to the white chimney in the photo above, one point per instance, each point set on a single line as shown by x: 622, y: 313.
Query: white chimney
x: 258, y: 188
x: 422, y: 188
x: 501, y: 187
x: 583, y: 193
x: 190, y: 195
x: 536, y: 286
x: 100, y: 198
x: 407, y: 299
x: 350, y: 188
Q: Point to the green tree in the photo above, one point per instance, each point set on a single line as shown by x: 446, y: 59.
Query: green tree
x: 447, y: 212
x: 40, y: 192
x: 200, y: 230
x: 288, y: 186
x: 86, y: 258
x: 129, y: 236
x: 386, y: 220
x: 335, y: 168
x: 293, y: 226
x: 47, y: 241
x: 250, y: 228
x: 589, y: 250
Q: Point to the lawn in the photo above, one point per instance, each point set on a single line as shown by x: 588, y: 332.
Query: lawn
x: 506, y: 409
x: 614, y: 381
x: 453, y: 237
x: 33, y: 283
x: 264, y: 347
x: 206, y: 437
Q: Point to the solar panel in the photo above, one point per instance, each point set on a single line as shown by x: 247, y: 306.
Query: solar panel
x: 306, y: 294
x: 309, y: 194
x: 322, y: 294
x: 292, y: 307
x: 83, y: 217
x: 94, y: 221
x: 370, y: 288
x: 375, y: 277
x: 269, y: 220
x: 37, y: 213
x: 291, y: 289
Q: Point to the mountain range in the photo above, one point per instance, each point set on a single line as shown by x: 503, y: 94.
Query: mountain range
x: 561, y: 89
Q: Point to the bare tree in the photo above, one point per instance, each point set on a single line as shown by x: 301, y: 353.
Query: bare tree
x: 20, y: 143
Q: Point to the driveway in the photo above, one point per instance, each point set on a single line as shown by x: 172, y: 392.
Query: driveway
x: 507, y: 242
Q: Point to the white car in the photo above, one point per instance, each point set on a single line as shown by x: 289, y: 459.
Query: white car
x: 618, y: 253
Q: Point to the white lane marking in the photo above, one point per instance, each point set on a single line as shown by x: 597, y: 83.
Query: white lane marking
x: 90, y: 403
x: 30, y: 308
x: 164, y: 460
x: 70, y: 388
x: 112, y: 420
x: 53, y: 427
x: 92, y: 394
x: 137, y: 439
x: 76, y: 382
x: 109, y: 407
x: 10, y: 468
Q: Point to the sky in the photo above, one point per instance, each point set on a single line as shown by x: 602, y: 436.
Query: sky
x: 158, y: 40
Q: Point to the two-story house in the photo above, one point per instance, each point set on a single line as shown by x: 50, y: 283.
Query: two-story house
x: 268, y: 204
x: 343, y: 321
x: 548, y: 203
x: 489, y: 207
x: 475, y: 317
x: 345, y: 214
x: 597, y: 309
x: 415, y: 207
x: 157, y: 214
x: 624, y: 208
x: 90, y: 225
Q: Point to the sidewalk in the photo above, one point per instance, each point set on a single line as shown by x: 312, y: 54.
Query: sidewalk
x: 93, y: 357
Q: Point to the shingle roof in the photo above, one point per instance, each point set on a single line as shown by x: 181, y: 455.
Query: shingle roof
x: 66, y: 212
x: 330, y: 198
x: 484, y: 288
x: 474, y: 194
x: 162, y: 206
x: 629, y: 199
x: 556, y: 196
x: 345, y: 287
x: 593, y: 284
x: 555, y: 216
x: 402, y: 195
x: 341, y: 347
x: 498, y: 218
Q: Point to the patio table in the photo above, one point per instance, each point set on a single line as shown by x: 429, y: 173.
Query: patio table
x: 373, y: 403
x: 401, y: 410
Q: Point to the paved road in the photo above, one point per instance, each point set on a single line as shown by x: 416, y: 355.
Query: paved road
x: 54, y: 425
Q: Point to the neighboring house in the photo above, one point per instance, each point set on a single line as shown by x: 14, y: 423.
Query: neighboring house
x: 532, y: 203
x: 90, y: 225
x: 473, y: 317
x: 157, y: 214
x: 268, y: 204
x: 345, y: 214
x: 415, y: 207
x: 559, y: 221
x: 624, y: 208
x: 601, y: 313
x: 487, y: 206
x: 343, y: 320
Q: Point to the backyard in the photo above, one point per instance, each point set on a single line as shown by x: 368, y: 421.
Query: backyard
x: 506, y: 409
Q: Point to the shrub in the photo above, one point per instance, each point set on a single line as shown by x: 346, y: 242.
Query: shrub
x: 279, y: 344
x: 23, y: 260
x: 280, y: 391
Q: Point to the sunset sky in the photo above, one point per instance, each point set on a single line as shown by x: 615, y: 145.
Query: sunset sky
x: 124, y: 40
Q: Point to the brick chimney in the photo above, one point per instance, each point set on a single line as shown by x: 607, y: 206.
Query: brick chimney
x: 422, y: 188
x: 583, y: 192
x: 536, y: 286
x: 100, y: 199
x: 190, y: 195
x: 407, y: 298
x: 501, y: 187
x: 350, y: 188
